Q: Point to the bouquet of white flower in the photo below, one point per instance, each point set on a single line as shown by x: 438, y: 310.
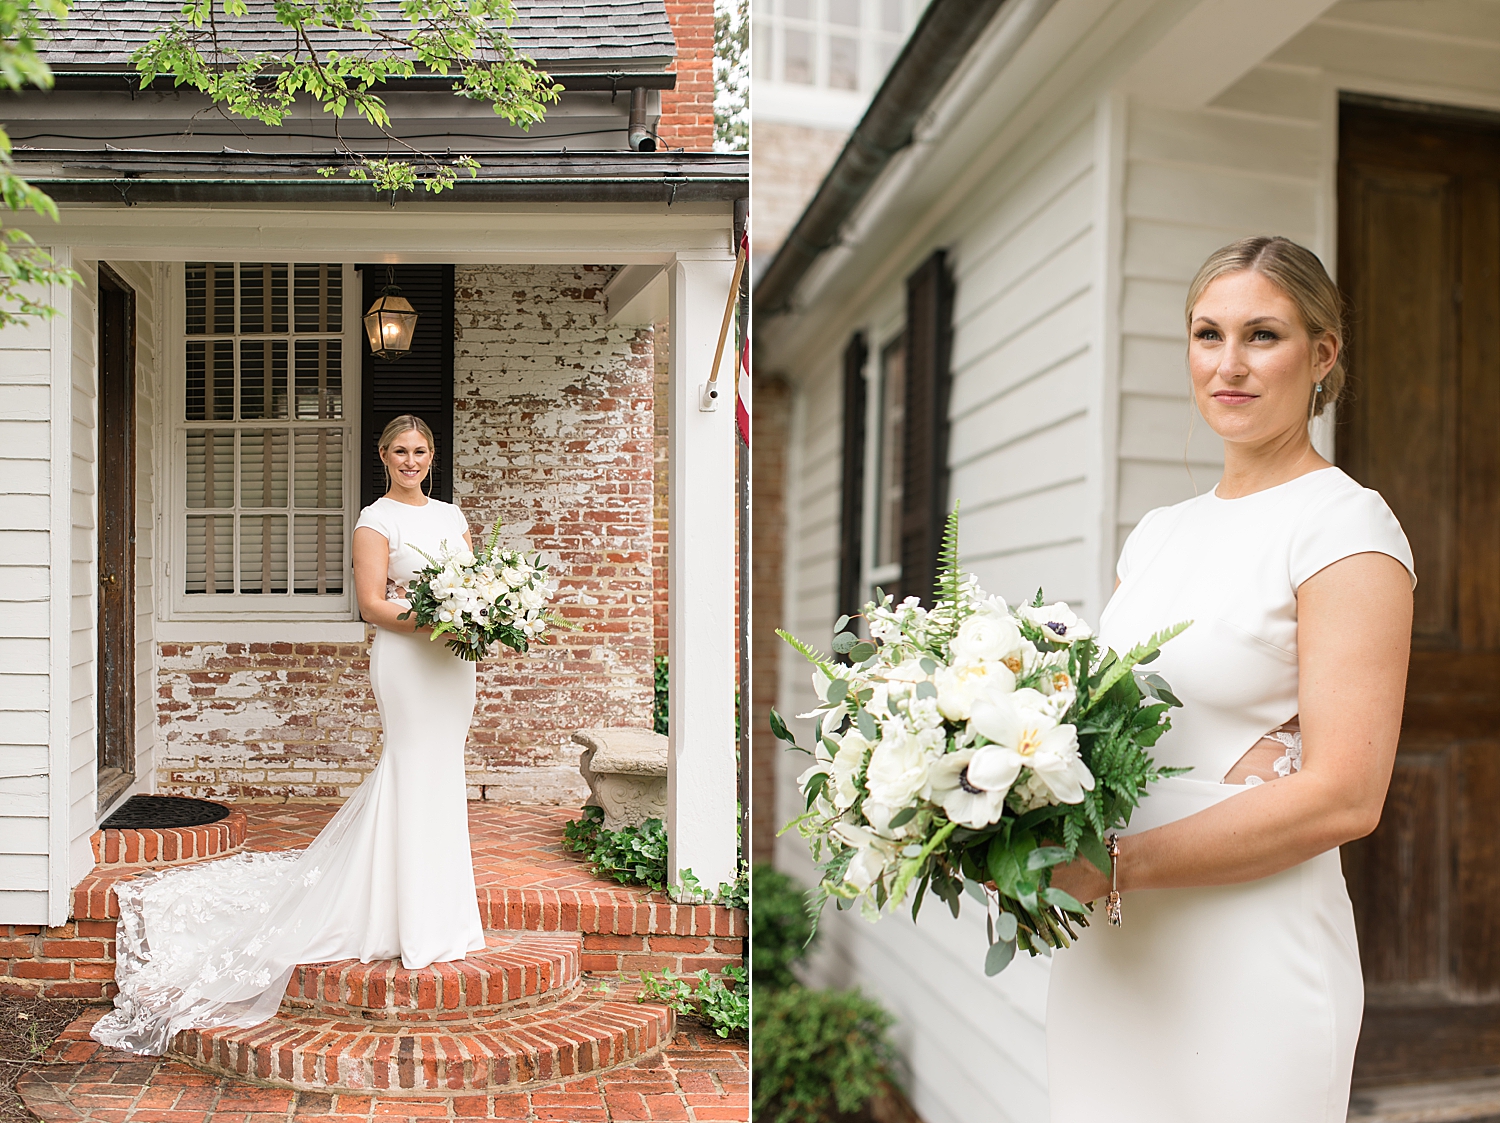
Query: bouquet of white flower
x: 478, y: 600
x: 973, y: 747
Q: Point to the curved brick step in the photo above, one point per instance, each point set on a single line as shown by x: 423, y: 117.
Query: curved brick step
x: 167, y: 846
x: 518, y: 970
x: 319, y: 1053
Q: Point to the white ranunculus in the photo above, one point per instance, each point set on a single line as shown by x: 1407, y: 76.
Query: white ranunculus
x: 965, y: 804
x: 898, y: 766
x: 1024, y: 735
x: 985, y: 637
x: 960, y: 685
x: 1058, y: 622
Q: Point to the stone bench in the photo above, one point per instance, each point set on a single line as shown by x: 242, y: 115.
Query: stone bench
x: 626, y: 771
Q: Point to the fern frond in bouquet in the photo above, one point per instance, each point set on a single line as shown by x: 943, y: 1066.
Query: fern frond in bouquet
x: 480, y: 599
x: 970, y: 745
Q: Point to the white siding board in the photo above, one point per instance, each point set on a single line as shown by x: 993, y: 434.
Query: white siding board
x: 26, y: 440
x: 21, y: 654
x: 1166, y: 429
x: 1032, y: 406
x: 23, y: 836
x: 1167, y: 251
x: 1295, y: 93
x: 1151, y: 365
x: 1044, y: 344
x: 1396, y: 56
x: 1042, y: 519
x: 24, y: 620
x: 1214, y: 197
x: 1146, y: 485
x: 1062, y: 570
x: 23, y: 691
x: 1266, y: 146
x: 27, y: 908
x: 23, y: 582
x: 1465, y: 19
x: 24, y: 511
x: 24, y: 795
x: 1061, y: 278
x: 26, y: 477
x: 24, y: 872
x: 24, y: 366
x: 1153, y: 308
x: 20, y: 730
x: 25, y: 402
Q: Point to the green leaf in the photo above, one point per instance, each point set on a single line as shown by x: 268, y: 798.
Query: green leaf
x: 838, y: 689
x: 1092, y: 849
x: 1005, y: 927
x: 861, y: 651
x: 1121, y: 667
x: 929, y: 666
x: 1063, y: 900
x: 870, y: 731
x: 1044, y: 857
x: 815, y: 785
x: 902, y: 817
x: 998, y: 958
x: 780, y: 731
x: 841, y: 624
x: 844, y: 642
x: 926, y: 689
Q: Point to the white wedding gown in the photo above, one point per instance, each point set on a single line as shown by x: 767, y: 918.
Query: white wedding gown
x: 389, y: 877
x: 1240, y: 1003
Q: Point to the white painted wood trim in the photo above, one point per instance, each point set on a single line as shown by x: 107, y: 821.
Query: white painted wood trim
x: 1327, y: 221
x: 267, y: 631
x: 60, y: 601
x: 702, y: 826
x: 1110, y: 122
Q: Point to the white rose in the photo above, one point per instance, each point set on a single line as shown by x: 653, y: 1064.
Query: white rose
x: 985, y: 637
x: 898, y: 766
x: 848, y: 759
x: 959, y: 686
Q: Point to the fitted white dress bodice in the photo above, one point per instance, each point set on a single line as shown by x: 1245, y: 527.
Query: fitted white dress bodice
x: 1239, y: 1003
x: 389, y: 877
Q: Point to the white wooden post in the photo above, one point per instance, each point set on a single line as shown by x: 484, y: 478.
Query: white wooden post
x: 701, y: 773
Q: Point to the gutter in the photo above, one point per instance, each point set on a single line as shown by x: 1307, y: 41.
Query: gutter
x: 943, y: 39
x: 128, y: 81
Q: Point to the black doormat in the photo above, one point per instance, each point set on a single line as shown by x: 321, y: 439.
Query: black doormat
x: 155, y: 812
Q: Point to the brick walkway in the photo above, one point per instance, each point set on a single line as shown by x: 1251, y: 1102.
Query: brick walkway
x: 698, y: 1077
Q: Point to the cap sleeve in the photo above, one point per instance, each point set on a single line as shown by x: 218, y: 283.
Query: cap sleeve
x: 1136, y: 542
x: 459, y: 520
x: 1352, y: 521
x: 381, y: 523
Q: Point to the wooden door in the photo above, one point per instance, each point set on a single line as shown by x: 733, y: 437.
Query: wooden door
x: 116, y: 623
x: 1419, y: 260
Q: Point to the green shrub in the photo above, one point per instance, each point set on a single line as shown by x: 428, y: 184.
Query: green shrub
x: 779, y: 925
x: 727, y: 1010
x: 818, y: 1053
x: 659, y: 703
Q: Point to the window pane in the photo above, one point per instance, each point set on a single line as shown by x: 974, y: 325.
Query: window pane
x: 844, y: 12
x: 210, y: 570
x: 886, y: 53
x: 319, y: 298
x: 320, y: 468
x: 210, y: 297
x: 797, y: 9
x: 319, y: 379
x: 891, y: 16
x: 262, y: 553
x: 263, y: 468
x: 843, y: 62
x: 760, y: 49
x: 889, y: 464
x: 210, y: 468
x: 262, y: 379
x: 797, y: 51
x: 263, y: 298
x: 320, y: 554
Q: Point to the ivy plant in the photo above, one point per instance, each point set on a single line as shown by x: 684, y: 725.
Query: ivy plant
x: 703, y: 995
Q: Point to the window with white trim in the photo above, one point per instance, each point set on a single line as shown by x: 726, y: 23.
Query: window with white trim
x: 263, y: 439
x: 832, y: 44
x: 890, y: 447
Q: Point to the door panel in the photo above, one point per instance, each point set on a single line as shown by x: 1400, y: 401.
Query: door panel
x: 1419, y: 260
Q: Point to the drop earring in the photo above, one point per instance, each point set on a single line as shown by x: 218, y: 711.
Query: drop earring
x: 428, y: 480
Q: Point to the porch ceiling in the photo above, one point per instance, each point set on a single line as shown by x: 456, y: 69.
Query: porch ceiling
x: 132, y: 177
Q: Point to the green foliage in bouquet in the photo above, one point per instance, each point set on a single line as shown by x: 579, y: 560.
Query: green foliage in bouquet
x: 818, y: 1054
x: 726, y: 1008
x: 781, y: 928
x: 480, y: 608
x: 896, y: 717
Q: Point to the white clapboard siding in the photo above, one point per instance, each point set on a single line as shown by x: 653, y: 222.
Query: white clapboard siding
x: 26, y: 512
x: 84, y: 583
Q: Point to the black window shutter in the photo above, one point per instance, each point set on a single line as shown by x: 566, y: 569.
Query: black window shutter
x: 851, y: 504
x: 420, y: 382
x: 924, y: 485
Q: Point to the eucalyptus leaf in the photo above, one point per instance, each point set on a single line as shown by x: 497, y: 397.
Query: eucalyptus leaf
x: 868, y: 729
x: 975, y: 890
x: 1005, y: 927
x: 998, y: 958
x: 838, y: 689
x: 841, y: 624
x: 1063, y: 900
x: 902, y: 817
x: 844, y: 642
x: 929, y: 666
x: 1044, y: 857
x: 926, y: 690
x: 861, y: 651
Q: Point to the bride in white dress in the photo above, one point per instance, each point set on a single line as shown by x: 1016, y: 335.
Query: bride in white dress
x: 390, y: 876
x: 1232, y: 991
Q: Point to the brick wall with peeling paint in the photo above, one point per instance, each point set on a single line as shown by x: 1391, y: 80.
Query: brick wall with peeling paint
x: 553, y: 426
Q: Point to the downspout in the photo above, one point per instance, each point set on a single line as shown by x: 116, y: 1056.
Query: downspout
x: 943, y: 39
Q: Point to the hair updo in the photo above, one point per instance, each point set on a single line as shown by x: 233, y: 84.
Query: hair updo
x: 1296, y: 271
x: 403, y: 424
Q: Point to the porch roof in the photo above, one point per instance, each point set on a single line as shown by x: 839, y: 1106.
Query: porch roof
x: 144, y: 176
x: 593, y: 35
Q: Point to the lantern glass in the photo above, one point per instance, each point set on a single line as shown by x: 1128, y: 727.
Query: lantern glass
x: 390, y: 323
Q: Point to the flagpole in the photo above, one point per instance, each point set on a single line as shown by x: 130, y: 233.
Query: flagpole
x: 734, y: 295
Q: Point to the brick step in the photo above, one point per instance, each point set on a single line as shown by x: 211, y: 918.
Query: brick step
x: 167, y: 846
x: 319, y: 1053
x: 517, y: 971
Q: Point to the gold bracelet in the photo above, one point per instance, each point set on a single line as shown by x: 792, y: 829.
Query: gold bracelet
x: 1112, y: 902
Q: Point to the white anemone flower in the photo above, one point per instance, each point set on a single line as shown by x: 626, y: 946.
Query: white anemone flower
x: 963, y: 802
x: 1058, y: 622
x: 961, y: 685
x: 1024, y: 735
x: 898, y: 766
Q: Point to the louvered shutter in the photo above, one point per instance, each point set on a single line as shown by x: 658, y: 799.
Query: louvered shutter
x: 420, y: 382
x: 851, y: 504
x: 924, y: 499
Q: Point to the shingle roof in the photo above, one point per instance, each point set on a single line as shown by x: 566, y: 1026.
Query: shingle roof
x: 577, y: 35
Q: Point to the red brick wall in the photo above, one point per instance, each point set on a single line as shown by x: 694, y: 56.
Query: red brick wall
x: 660, y: 495
x: 687, y: 113
x: 553, y: 433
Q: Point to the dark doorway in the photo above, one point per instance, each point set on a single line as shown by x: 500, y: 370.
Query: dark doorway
x: 116, y: 622
x: 1419, y: 260
x: 420, y: 382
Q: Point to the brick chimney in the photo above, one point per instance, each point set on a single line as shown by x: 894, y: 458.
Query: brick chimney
x: 687, y: 113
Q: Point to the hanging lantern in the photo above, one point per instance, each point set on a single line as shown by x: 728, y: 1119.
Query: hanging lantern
x: 390, y: 322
